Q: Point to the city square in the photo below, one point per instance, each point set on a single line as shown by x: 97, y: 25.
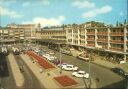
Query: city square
x: 55, y: 54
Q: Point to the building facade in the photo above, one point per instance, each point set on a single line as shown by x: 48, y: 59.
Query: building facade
x: 90, y: 35
x: 18, y: 32
x: 56, y: 34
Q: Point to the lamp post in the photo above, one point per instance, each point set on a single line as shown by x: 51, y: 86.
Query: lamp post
x: 89, y: 71
x: 60, y: 59
x: 90, y: 58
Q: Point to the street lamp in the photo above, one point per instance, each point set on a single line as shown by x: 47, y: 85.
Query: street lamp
x: 89, y: 71
x: 60, y: 59
x: 90, y: 58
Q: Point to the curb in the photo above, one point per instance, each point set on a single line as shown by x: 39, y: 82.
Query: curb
x: 107, y: 67
x: 101, y: 65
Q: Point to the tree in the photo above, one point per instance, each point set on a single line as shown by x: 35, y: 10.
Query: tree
x: 117, y: 23
x: 125, y: 21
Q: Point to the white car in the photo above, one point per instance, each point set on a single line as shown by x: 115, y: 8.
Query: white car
x: 48, y: 57
x: 51, y: 53
x: 62, y: 64
x: 81, y: 74
x: 69, y: 67
x: 37, y: 50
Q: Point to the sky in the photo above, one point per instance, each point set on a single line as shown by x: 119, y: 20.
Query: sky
x: 58, y: 12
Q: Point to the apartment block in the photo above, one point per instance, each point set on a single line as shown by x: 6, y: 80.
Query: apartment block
x: 93, y: 35
x: 54, y: 35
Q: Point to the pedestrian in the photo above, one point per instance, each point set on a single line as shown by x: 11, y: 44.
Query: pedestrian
x: 48, y: 74
x: 97, y: 79
x: 41, y: 70
x: 60, y: 72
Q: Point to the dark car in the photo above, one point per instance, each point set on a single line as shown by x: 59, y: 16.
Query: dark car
x: 56, y: 62
x: 126, y: 76
x: 21, y: 69
x: 118, y: 71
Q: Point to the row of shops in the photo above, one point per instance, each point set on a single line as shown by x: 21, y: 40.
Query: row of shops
x: 112, y: 56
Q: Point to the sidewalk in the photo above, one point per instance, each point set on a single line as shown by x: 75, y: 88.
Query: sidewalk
x: 48, y: 81
x: 124, y: 66
x: 18, y: 77
x: 45, y: 80
x: 110, y: 65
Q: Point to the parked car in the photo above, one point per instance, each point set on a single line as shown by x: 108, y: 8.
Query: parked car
x: 4, y: 50
x: 21, y: 69
x: 15, y: 50
x: 69, y: 67
x: 37, y: 50
x: 62, y: 64
x: 46, y: 55
x: 51, y: 53
x: 84, y: 57
x: 126, y: 76
x: 56, y: 62
x: 119, y: 71
x: 49, y: 57
x: 81, y: 74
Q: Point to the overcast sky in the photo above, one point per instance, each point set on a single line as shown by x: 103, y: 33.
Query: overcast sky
x: 57, y: 12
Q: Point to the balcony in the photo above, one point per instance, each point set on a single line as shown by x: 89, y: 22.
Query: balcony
x: 127, y: 42
x: 17, y: 33
x: 11, y: 34
x: 117, y: 41
x: 116, y: 49
x: 102, y: 40
x: 21, y: 35
x: 127, y: 50
x: 90, y: 39
x: 92, y: 45
x: 116, y: 34
x: 127, y: 34
x: 104, y: 47
x: 90, y: 33
x: 102, y: 33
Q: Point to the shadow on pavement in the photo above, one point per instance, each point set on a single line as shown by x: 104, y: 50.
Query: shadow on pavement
x: 4, y: 71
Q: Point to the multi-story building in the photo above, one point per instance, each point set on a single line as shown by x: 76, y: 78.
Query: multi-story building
x: 93, y: 35
x: 18, y: 32
x: 4, y: 35
x: 54, y: 35
x: 24, y: 31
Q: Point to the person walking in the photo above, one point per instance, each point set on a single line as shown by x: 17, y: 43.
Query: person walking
x: 48, y: 74
x: 97, y: 79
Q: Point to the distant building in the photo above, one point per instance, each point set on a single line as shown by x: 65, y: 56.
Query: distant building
x: 18, y: 32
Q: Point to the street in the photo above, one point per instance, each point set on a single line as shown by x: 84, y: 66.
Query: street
x: 31, y: 81
x: 6, y: 76
x: 107, y: 78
